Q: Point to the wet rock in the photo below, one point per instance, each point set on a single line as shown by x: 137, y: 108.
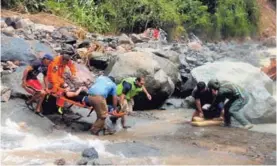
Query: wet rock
x: 90, y: 153
x: 5, y: 93
x: 60, y: 162
x: 159, y: 82
x: 82, y: 162
x: 16, y: 111
x: 136, y: 38
x: 9, y: 31
x: 173, y: 103
x: 23, y: 23
x: 261, y: 107
x: 14, y: 80
x: 19, y: 49
x: 189, y: 102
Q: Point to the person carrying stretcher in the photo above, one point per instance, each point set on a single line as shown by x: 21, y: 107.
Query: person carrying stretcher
x: 31, y: 83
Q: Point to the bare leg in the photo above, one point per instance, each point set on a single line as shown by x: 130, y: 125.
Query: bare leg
x: 41, y: 98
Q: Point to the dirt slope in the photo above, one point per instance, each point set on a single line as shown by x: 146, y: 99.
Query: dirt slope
x: 267, y: 18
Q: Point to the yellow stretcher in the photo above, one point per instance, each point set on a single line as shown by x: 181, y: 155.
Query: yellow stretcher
x: 201, y: 122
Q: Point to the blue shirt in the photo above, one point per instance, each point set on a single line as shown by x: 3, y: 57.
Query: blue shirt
x: 103, y: 86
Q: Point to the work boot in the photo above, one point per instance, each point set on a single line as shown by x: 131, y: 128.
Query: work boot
x: 249, y: 126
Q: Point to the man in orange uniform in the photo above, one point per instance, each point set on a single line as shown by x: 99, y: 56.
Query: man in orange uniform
x: 56, y: 70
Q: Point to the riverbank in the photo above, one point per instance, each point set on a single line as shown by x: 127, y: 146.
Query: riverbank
x: 156, y: 137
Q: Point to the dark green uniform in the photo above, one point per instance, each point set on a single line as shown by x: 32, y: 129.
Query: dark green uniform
x: 238, y: 98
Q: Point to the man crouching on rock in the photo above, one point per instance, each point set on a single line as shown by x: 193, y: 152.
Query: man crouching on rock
x: 237, y: 99
x: 203, y: 100
x: 126, y: 90
x: 98, y: 93
x: 31, y: 83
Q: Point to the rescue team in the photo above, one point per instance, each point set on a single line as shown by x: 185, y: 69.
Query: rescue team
x: 209, y: 100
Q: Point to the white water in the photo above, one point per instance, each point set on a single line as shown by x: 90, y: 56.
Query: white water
x: 15, y: 138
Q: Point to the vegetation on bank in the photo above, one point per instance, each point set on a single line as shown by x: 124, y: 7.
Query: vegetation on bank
x: 214, y: 19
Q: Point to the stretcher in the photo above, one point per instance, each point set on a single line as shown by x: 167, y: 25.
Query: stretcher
x: 62, y: 99
x: 201, y: 122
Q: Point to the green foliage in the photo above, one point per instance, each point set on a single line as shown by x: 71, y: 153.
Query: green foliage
x: 236, y: 18
x: 84, y: 13
x: 207, y: 18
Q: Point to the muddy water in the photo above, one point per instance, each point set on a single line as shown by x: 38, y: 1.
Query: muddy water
x: 156, y: 137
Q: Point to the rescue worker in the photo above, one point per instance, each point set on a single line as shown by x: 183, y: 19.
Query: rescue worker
x: 31, y: 83
x: 98, y: 93
x: 126, y: 90
x: 56, y: 70
x: 237, y: 97
x: 203, y: 100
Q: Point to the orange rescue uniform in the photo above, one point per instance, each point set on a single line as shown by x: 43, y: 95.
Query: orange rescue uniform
x: 56, y: 70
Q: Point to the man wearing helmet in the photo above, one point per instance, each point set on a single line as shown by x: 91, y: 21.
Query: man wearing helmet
x: 237, y: 99
x: 203, y: 100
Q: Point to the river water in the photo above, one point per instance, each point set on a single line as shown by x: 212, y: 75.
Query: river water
x: 156, y: 137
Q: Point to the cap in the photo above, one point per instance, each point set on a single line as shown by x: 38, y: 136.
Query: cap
x: 48, y: 57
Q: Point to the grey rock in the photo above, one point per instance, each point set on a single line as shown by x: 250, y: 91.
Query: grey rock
x: 3, y: 24
x: 90, y: 153
x: 19, y: 49
x: 124, y: 39
x: 191, y: 60
x: 136, y: 38
x: 82, y: 162
x: 161, y: 75
x: 5, y: 93
x: 23, y: 23
x: 60, y: 162
x: 9, y: 31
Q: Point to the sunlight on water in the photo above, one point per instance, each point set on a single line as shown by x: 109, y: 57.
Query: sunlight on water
x: 14, y: 138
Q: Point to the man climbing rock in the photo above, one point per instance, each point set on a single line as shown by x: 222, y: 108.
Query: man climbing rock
x: 237, y: 97
x: 203, y: 99
x: 31, y: 83
x: 56, y: 70
x: 98, y: 93
x: 126, y: 90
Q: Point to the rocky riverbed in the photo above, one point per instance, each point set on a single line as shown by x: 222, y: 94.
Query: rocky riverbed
x: 160, y: 136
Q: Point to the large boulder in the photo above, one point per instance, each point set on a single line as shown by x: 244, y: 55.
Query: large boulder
x: 83, y: 74
x: 262, y: 106
x: 23, y: 23
x: 161, y: 76
x: 14, y: 81
x: 16, y: 111
x: 124, y: 39
x: 23, y: 50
